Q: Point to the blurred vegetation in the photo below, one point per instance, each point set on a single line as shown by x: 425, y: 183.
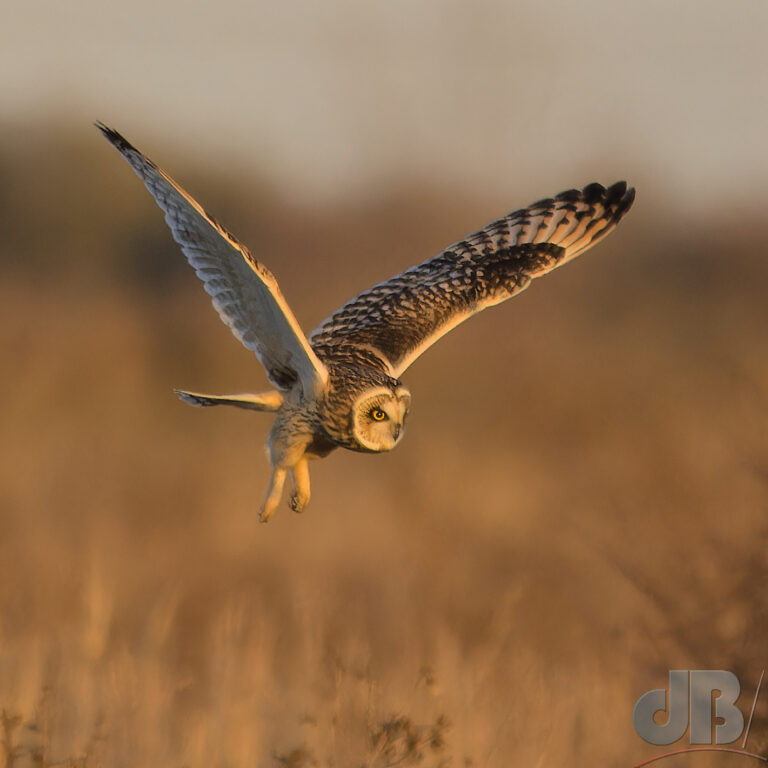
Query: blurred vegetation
x: 580, y: 504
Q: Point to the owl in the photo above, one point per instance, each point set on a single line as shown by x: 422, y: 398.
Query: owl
x: 340, y: 387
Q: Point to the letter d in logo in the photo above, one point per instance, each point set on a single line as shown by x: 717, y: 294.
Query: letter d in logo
x: 656, y: 701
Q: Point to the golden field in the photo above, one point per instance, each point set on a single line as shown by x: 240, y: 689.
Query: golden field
x: 579, y: 506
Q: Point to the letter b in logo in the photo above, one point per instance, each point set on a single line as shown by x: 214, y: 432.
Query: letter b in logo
x: 699, y: 695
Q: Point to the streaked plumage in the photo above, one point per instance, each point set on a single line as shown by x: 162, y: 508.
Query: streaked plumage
x: 341, y: 386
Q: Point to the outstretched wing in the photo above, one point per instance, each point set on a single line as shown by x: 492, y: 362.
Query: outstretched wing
x: 244, y: 292
x: 400, y: 318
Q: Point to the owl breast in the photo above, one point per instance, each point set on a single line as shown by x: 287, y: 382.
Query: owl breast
x: 320, y: 446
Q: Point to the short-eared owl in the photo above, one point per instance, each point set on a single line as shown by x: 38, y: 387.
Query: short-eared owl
x: 341, y: 386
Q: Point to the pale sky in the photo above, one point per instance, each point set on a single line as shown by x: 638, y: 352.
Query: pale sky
x: 334, y: 98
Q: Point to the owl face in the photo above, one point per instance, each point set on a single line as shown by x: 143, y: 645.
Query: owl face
x: 378, y: 418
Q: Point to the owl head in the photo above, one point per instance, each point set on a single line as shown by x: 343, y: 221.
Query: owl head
x: 378, y: 418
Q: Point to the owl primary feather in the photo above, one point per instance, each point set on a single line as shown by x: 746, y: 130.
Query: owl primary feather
x: 340, y: 387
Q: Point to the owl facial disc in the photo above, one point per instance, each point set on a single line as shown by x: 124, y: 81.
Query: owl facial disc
x: 378, y: 418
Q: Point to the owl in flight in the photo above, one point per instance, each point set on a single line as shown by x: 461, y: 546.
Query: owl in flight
x: 341, y: 385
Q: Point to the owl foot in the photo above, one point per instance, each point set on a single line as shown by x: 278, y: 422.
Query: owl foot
x: 274, y: 492
x: 300, y: 477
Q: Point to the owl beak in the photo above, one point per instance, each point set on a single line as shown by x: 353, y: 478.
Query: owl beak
x: 396, y: 433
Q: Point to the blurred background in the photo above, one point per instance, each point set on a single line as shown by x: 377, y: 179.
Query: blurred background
x: 580, y: 504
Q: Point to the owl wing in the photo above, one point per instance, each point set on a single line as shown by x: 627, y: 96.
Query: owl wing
x: 400, y: 318
x: 244, y: 292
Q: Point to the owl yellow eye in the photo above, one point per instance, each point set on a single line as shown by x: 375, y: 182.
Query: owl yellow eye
x: 378, y: 415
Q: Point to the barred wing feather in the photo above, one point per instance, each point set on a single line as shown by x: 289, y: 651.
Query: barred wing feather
x: 244, y: 292
x: 399, y: 319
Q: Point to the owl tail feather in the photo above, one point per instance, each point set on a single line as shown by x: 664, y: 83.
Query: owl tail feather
x: 266, y: 401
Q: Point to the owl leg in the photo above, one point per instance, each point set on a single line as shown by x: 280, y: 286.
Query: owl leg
x: 274, y: 493
x: 300, y: 477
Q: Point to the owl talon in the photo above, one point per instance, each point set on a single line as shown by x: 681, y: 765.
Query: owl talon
x: 298, y: 504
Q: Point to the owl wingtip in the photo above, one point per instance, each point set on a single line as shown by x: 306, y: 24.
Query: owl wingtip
x: 190, y: 398
x: 113, y: 136
x: 621, y: 196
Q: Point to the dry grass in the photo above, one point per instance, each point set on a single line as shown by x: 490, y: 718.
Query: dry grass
x: 579, y: 506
